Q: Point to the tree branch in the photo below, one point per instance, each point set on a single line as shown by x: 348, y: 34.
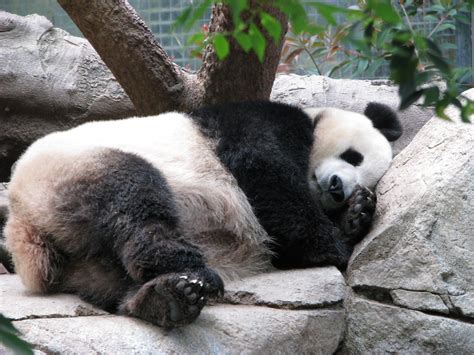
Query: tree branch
x: 147, y: 74
x: 241, y: 76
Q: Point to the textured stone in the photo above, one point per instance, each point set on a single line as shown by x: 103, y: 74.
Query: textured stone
x: 423, y: 301
x: 219, y: 329
x: 375, y: 328
x: 422, y: 239
x: 351, y: 95
x: 465, y: 303
x: 49, y: 81
x: 309, y: 288
x: 16, y: 303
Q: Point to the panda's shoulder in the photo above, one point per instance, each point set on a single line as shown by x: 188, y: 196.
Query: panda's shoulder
x: 257, y: 116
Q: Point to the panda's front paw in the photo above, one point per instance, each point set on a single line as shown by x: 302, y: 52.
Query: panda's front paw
x: 358, y: 218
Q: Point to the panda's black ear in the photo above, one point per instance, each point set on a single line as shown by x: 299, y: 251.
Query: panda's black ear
x: 385, y: 120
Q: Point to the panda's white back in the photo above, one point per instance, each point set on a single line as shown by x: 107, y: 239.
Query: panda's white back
x: 209, y: 200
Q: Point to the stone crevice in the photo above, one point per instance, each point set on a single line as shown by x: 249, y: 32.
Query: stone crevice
x: 383, y: 296
x: 251, y: 299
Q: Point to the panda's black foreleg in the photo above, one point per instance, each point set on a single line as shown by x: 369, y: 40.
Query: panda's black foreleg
x: 279, y: 194
x: 356, y: 220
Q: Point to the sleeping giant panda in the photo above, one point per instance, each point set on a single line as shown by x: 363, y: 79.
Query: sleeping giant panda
x: 146, y: 216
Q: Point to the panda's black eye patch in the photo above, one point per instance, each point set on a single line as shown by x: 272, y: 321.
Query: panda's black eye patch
x: 352, y: 156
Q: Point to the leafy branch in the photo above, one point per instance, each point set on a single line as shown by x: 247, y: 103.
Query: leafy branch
x: 368, y: 35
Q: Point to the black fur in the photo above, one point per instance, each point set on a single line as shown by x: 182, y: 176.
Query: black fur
x: 127, y: 215
x: 352, y: 156
x: 385, y: 120
x: 266, y: 147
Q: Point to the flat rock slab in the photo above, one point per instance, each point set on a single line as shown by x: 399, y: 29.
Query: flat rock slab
x: 220, y: 329
x: 65, y: 324
x: 294, y: 289
x: 376, y: 328
x: 16, y: 303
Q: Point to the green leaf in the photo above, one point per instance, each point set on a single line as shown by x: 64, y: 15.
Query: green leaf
x: 440, y: 107
x: 243, y: 40
x: 431, y: 95
x: 191, y: 14
x: 467, y: 111
x: 297, y: 15
x: 338, y: 66
x: 408, y: 100
x: 436, y: 57
x: 385, y: 10
x: 221, y: 46
x: 448, y: 46
x: 9, y: 338
x: 237, y: 6
x: 445, y: 26
x: 438, y: 8
x: 258, y: 41
x: 271, y: 25
x: 463, y: 18
x: 197, y: 38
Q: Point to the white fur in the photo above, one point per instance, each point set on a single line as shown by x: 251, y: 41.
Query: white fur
x: 336, y: 131
x: 209, y: 200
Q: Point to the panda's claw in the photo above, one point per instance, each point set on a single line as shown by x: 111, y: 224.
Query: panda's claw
x: 358, y: 218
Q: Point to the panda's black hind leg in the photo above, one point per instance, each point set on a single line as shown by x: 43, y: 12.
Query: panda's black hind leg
x: 122, y: 212
x: 173, y: 300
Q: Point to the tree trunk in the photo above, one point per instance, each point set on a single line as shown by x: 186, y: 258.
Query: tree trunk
x: 147, y: 74
x: 241, y: 76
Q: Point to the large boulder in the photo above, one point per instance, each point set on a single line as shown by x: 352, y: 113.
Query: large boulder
x: 413, y: 276
x: 49, y: 81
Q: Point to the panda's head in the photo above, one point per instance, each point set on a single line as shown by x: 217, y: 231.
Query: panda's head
x: 350, y: 149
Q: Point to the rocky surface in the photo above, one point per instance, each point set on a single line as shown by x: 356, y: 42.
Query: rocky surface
x: 49, y: 81
x: 353, y: 95
x: 306, y: 289
x: 420, y: 253
x: 377, y: 328
x: 64, y: 324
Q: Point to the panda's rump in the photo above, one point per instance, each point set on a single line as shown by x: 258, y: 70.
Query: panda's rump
x: 210, y: 207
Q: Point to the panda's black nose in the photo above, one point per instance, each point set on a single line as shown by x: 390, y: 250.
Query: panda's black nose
x: 335, y: 188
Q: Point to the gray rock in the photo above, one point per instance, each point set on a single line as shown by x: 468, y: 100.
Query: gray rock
x: 422, y: 238
x: 219, y: 330
x: 49, y: 81
x: 309, y: 288
x: 465, y: 304
x: 376, y: 328
x: 64, y: 324
x: 16, y: 303
x: 423, y: 301
x: 351, y: 95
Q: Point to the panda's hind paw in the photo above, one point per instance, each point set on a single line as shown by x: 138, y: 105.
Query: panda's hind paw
x: 173, y: 300
x: 358, y: 218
